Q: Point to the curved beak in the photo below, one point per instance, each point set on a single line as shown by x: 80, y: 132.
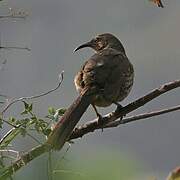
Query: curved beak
x: 88, y: 44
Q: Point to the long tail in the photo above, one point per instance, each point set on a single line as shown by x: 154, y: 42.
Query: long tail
x: 67, y: 123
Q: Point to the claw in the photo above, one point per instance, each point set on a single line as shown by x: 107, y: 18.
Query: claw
x: 118, y: 109
x: 100, y: 121
x: 100, y: 118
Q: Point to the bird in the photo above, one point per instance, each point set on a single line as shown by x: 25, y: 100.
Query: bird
x: 105, y: 78
x: 109, y: 70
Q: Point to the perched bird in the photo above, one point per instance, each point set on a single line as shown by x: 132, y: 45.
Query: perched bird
x: 108, y: 70
x: 105, y: 78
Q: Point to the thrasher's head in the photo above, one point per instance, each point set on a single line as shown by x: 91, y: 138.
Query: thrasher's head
x: 103, y: 41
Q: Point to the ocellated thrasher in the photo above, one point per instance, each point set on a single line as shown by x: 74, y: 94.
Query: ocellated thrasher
x: 105, y: 78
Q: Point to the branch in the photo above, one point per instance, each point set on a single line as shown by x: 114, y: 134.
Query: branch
x: 89, y: 127
x: 110, y: 119
x: 13, y: 17
x: 15, y: 47
x: 7, y: 138
x: 61, y: 77
x: 142, y: 116
x: 23, y: 160
x: 15, y: 14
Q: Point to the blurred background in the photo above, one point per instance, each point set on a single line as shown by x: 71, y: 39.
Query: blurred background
x: 150, y: 35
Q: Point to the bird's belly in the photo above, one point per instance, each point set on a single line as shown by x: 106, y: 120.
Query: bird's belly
x: 113, y: 93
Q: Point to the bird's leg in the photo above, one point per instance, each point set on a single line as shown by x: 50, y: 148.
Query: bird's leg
x: 118, y: 109
x: 100, y: 118
x: 119, y: 106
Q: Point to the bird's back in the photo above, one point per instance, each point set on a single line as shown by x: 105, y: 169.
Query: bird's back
x: 111, y: 72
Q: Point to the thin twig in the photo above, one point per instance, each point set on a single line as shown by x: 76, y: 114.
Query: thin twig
x: 9, y: 151
x: 7, y: 122
x: 16, y: 128
x: 142, y: 116
x: 15, y: 47
x: 6, y: 135
x: 61, y: 77
x: 14, y: 17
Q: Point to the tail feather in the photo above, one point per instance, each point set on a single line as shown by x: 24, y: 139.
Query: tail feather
x: 67, y: 123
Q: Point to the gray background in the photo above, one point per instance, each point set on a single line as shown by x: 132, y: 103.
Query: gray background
x: 54, y: 28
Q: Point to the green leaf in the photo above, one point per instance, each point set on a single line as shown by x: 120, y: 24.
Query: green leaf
x: 33, y: 120
x: 18, y: 122
x: 24, y: 122
x: 51, y: 110
x: 23, y: 131
x: 12, y: 119
x: 24, y: 112
x: 46, y: 132
x: 30, y: 107
x: 26, y: 105
x: 61, y: 111
x: 50, y: 117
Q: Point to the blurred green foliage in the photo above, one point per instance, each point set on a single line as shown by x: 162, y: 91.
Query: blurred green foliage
x: 99, y: 165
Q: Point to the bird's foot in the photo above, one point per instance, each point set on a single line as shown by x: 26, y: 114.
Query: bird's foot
x: 118, y: 110
x: 100, y: 120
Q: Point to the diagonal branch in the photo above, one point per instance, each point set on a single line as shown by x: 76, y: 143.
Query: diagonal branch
x: 15, y: 47
x: 85, y: 129
x: 142, y: 116
x: 110, y: 119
